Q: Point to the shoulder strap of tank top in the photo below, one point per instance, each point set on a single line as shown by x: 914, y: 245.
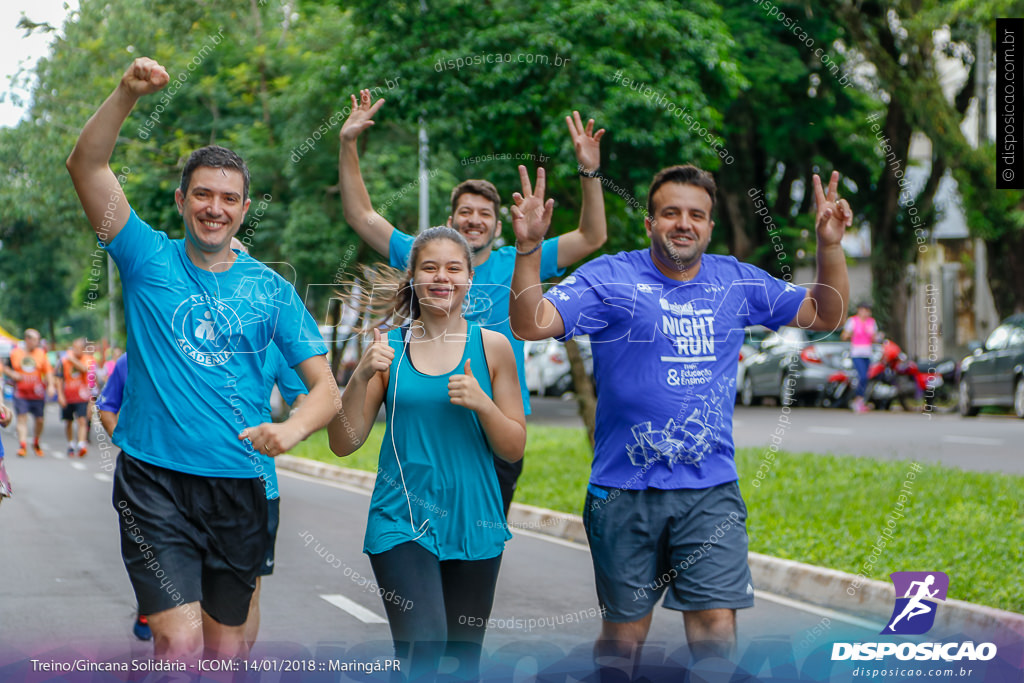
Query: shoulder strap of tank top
x: 479, y: 332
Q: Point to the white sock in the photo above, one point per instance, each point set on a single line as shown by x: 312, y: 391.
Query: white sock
x: 82, y: 445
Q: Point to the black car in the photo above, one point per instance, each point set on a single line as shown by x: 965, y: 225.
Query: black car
x: 994, y: 375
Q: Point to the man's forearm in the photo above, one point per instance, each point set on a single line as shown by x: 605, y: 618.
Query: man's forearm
x: 593, y: 224
x: 96, y: 143
x: 318, y: 407
x: 355, y: 200
x: 526, y: 293
x: 832, y: 289
x: 109, y: 421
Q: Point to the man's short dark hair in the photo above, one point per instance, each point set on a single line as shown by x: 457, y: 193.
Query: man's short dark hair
x: 684, y: 175
x: 479, y: 187
x: 214, y: 156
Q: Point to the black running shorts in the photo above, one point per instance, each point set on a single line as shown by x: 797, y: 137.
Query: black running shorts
x: 187, y: 538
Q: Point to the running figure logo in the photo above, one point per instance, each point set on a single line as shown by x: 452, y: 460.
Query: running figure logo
x: 914, y: 613
x: 205, y: 329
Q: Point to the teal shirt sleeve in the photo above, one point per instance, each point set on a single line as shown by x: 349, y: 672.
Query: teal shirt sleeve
x: 295, y: 332
x: 549, y: 259
x: 134, y: 246
x: 399, y: 248
x: 288, y: 381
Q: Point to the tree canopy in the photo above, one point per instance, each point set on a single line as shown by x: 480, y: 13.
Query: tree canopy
x: 762, y: 101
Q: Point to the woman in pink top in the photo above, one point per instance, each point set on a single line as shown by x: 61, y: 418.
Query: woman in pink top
x: 862, y: 331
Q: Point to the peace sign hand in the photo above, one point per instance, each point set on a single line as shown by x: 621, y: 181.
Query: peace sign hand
x: 833, y: 214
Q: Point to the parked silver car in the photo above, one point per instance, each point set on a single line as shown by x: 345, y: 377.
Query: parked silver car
x: 792, y: 366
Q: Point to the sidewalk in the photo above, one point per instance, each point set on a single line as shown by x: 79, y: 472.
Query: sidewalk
x: 820, y: 586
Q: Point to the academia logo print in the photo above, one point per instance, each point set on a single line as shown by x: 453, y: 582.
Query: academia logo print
x: 914, y: 613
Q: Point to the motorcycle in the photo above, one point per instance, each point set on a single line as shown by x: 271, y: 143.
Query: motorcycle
x: 838, y: 390
x: 893, y: 377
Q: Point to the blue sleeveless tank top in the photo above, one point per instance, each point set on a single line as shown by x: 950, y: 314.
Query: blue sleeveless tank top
x: 436, y: 483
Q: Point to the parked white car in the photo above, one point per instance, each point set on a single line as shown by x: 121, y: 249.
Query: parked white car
x: 547, y: 366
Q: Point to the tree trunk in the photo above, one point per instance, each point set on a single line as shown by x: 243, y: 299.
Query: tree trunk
x: 585, y: 397
x: 890, y: 246
x: 1006, y: 272
x: 735, y: 207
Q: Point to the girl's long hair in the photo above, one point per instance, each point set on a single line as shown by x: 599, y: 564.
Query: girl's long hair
x: 385, y: 295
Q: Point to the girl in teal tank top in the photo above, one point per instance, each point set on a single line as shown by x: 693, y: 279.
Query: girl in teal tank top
x: 436, y: 527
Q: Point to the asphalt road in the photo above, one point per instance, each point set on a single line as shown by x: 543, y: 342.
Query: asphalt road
x: 987, y: 443
x: 64, y: 593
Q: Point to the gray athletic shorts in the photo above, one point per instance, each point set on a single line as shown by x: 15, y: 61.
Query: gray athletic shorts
x: 690, y: 544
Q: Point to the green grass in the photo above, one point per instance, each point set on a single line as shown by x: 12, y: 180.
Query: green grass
x: 820, y: 509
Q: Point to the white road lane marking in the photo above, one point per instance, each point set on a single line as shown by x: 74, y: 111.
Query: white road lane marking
x: 358, y: 611
x: 78, y: 465
x: 516, y: 531
x: 973, y: 440
x: 103, y: 477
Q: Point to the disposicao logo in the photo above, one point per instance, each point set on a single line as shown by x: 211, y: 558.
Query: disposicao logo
x: 913, y: 615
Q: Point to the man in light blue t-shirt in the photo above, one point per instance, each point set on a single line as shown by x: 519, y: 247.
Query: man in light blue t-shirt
x: 475, y: 207
x: 200, y: 318
x: 663, y: 512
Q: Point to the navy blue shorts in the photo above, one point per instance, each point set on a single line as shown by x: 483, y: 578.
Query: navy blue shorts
x: 689, y: 544
x: 74, y: 410
x: 186, y: 538
x: 32, y: 406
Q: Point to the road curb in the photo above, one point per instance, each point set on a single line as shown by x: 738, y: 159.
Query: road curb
x: 820, y: 586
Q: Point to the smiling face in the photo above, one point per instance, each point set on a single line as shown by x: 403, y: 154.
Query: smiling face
x: 441, y: 276
x: 680, y: 226
x: 213, y: 208
x: 476, y: 219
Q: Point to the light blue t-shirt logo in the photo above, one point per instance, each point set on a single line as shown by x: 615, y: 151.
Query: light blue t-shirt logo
x: 203, y: 328
x: 478, y: 305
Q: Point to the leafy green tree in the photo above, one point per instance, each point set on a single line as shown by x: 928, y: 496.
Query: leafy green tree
x: 899, y: 40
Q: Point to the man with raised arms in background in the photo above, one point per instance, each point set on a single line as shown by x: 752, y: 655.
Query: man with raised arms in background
x: 475, y: 210
x: 199, y: 320
x: 663, y: 508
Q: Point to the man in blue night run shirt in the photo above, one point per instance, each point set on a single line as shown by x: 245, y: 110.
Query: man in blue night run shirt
x: 475, y: 207
x: 663, y: 507
x: 200, y: 318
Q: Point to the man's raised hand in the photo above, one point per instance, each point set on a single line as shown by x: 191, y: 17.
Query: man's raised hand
x: 144, y: 77
x: 833, y: 214
x: 531, y: 215
x: 586, y: 142
x: 361, y: 116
